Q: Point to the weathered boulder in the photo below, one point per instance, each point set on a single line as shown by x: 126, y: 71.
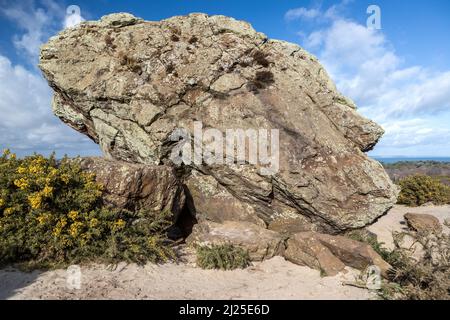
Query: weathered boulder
x: 128, y: 83
x: 259, y: 242
x: 424, y: 223
x: 136, y: 186
x: 331, y: 254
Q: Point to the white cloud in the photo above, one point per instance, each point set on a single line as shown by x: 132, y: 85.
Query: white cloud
x: 300, y: 13
x: 412, y: 132
x: 366, y: 68
x: 37, y: 20
x: 26, y: 122
x: 303, y: 13
x: 416, y: 137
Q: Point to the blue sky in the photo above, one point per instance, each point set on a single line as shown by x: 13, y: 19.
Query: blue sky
x: 399, y: 76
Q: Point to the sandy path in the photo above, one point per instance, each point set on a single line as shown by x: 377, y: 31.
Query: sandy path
x: 271, y: 279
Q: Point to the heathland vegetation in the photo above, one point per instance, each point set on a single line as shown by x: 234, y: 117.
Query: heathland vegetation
x: 51, y: 214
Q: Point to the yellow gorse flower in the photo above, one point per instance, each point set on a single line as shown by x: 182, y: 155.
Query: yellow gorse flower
x: 47, y: 192
x: 73, y: 215
x: 2, y: 203
x: 8, y: 211
x: 35, y: 169
x: 59, y: 226
x: 37, y: 166
x: 119, y: 224
x: 39, y: 161
x: 21, y: 170
x: 35, y: 200
x: 75, y: 229
x: 65, y: 178
x: 43, y: 218
x: 21, y: 183
x: 93, y: 223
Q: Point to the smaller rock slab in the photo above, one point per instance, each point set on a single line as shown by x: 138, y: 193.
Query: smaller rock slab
x: 331, y: 254
x: 424, y: 223
x: 260, y: 243
x: 306, y: 250
x: 136, y: 186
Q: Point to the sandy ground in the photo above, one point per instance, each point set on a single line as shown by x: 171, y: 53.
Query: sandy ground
x: 271, y: 279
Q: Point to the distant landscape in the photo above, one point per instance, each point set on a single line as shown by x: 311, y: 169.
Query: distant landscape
x: 401, y: 169
x: 410, y: 159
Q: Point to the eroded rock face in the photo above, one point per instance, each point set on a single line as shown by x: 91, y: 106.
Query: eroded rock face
x: 136, y: 186
x: 128, y: 83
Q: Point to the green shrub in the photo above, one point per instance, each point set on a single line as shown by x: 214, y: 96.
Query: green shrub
x: 51, y: 214
x: 419, y: 189
x: 225, y: 257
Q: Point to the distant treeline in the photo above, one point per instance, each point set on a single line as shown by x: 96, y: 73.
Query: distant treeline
x: 399, y: 170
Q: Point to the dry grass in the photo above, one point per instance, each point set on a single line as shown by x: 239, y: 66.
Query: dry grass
x: 224, y: 257
x: 421, y: 275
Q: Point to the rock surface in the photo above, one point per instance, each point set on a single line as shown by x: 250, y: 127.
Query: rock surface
x: 260, y: 242
x: 136, y: 186
x: 424, y: 223
x: 331, y: 254
x: 306, y: 250
x: 213, y: 202
x: 291, y: 225
x: 128, y: 83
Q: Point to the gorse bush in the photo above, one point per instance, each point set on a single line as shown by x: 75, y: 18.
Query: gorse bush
x: 419, y: 189
x: 51, y: 214
x: 225, y: 257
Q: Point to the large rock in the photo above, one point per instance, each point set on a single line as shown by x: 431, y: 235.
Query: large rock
x: 259, y: 242
x: 128, y: 83
x: 136, y: 186
x: 331, y: 254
